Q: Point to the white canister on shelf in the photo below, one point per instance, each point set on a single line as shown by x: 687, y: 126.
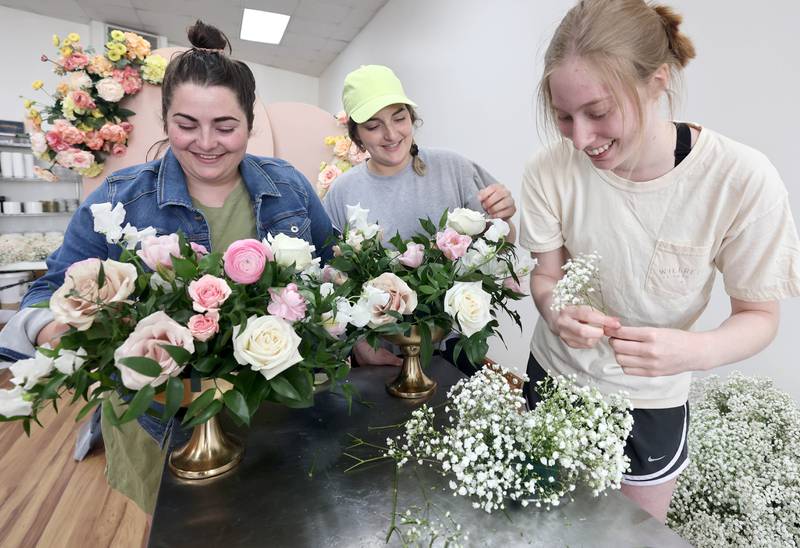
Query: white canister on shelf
x: 28, y: 159
x: 33, y: 207
x: 12, y: 208
x: 18, y: 165
x: 6, y: 165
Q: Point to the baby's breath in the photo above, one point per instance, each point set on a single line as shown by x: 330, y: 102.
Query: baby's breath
x: 580, y: 284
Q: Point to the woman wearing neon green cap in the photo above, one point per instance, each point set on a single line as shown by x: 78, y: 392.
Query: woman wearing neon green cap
x: 401, y: 183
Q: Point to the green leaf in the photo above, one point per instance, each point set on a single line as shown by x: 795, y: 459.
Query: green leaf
x: 206, y: 364
x: 178, y: 353
x: 184, y: 268
x: 284, y: 388
x: 211, y: 409
x: 142, y: 365
x: 236, y: 403
x: 101, y: 276
x: 87, y: 408
x: 139, y: 404
x: 174, y: 391
x: 443, y: 219
x: 210, y: 264
x: 203, y: 401
x: 429, y: 227
x: 426, y: 346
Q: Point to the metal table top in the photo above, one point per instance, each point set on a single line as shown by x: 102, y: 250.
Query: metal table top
x: 291, y: 488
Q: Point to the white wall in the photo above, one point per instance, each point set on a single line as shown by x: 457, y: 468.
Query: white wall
x: 472, y: 66
x: 26, y: 36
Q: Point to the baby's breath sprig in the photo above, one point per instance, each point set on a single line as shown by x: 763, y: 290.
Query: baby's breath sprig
x: 580, y: 284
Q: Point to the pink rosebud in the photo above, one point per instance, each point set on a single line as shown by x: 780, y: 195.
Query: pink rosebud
x: 244, y: 260
x: 208, y: 292
x: 333, y: 275
x: 159, y: 250
x: 509, y: 283
x: 118, y: 149
x: 44, y: 58
x: 126, y: 126
x: 452, y: 244
x: 413, y: 255
x: 82, y: 100
x: 289, y: 304
x: 199, y: 249
x: 204, y: 326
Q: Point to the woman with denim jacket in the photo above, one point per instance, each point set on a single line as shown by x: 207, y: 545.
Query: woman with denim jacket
x: 205, y: 186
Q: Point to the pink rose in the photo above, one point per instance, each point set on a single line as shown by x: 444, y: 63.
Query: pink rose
x: 69, y: 133
x: 413, y: 255
x: 82, y: 100
x: 159, y: 250
x: 356, y: 156
x: 146, y: 341
x: 244, y: 260
x: 208, y: 293
x: 452, y: 244
x: 204, y: 326
x: 75, y: 61
x: 82, y: 159
x: 113, y: 133
x: 402, y: 298
x: 93, y: 140
x: 130, y: 79
x: 327, y: 175
x: 289, y: 304
x: 118, y: 149
x: 342, y: 118
x: 342, y: 147
x: 55, y: 141
x: 127, y: 127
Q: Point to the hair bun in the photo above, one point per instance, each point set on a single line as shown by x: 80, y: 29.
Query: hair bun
x: 682, y: 48
x: 205, y: 36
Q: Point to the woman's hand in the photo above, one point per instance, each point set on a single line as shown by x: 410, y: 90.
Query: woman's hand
x: 51, y: 333
x: 582, y: 326
x: 657, y: 351
x: 366, y: 355
x: 497, y: 201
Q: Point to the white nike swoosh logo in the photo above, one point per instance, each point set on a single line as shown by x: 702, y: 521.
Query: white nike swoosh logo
x: 651, y: 459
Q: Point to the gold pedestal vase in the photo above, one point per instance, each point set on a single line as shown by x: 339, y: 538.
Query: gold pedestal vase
x: 412, y: 383
x: 209, y: 452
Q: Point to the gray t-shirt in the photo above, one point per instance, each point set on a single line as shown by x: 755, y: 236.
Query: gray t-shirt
x: 397, y: 202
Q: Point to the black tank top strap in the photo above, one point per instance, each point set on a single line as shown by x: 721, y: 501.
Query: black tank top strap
x: 683, y: 142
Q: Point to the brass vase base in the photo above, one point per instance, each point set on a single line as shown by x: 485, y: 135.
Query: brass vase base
x: 210, y: 452
x: 412, y: 382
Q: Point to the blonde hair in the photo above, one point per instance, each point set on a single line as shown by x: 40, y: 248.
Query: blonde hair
x: 625, y: 41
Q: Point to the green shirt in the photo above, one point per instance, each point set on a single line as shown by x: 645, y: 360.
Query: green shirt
x: 235, y: 220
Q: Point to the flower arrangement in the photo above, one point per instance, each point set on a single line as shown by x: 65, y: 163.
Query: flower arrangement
x: 30, y: 246
x: 256, y: 316
x: 495, y: 451
x: 345, y: 155
x: 452, y: 276
x: 86, y: 121
x: 742, y: 486
x: 580, y: 284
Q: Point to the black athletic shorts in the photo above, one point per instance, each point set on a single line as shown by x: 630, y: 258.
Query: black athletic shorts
x: 657, y: 445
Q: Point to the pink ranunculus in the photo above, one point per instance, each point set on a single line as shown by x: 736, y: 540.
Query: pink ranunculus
x: 288, y: 304
x: 208, y: 293
x: 452, y: 244
x: 93, y: 140
x: 82, y: 159
x: 55, y: 141
x: 130, y: 79
x: 199, y: 249
x: 413, y: 255
x: 159, y: 250
x: 119, y: 149
x: 66, y: 158
x: 75, y: 61
x: 82, y: 100
x: 69, y: 133
x: 204, y: 326
x: 146, y: 340
x: 113, y: 133
x: 244, y: 260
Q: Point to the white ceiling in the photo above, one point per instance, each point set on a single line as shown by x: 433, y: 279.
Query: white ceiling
x: 317, y: 31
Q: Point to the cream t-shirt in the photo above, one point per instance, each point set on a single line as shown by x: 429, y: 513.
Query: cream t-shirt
x: 724, y: 207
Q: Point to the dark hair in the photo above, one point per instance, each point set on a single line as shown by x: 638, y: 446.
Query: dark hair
x: 207, y: 64
x: 416, y: 121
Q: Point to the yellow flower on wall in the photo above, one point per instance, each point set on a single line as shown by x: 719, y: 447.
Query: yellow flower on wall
x: 38, y: 84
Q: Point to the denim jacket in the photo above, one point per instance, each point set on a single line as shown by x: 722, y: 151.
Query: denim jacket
x: 155, y: 194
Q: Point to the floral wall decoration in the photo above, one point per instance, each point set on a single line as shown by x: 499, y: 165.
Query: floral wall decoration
x: 81, y: 122
x: 345, y: 154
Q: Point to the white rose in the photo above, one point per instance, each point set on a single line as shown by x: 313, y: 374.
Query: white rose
x: 70, y: 360
x: 290, y: 250
x: 469, y: 305
x: 14, y: 404
x: 268, y: 344
x: 466, y: 221
x: 79, y: 80
x: 499, y: 229
x: 26, y: 373
x: 109, y: 90
x: 38, y: 143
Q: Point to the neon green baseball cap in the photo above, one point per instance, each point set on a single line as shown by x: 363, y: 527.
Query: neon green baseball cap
x: 370, y: 88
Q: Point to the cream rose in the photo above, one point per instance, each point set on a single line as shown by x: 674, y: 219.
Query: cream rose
x: 109, y: 90
x: 290, y: 250
x: 402, y: 299
x: 268, y: 344
x: 146, y: 341
x: 74, y: 302
x: 466, y: 221
x: 469, y: 305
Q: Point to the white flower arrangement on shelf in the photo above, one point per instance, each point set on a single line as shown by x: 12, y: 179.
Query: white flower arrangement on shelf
x: 580, y: 284
x: 742, y: 487
x: 494, y: 450
x: 30, y: 246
